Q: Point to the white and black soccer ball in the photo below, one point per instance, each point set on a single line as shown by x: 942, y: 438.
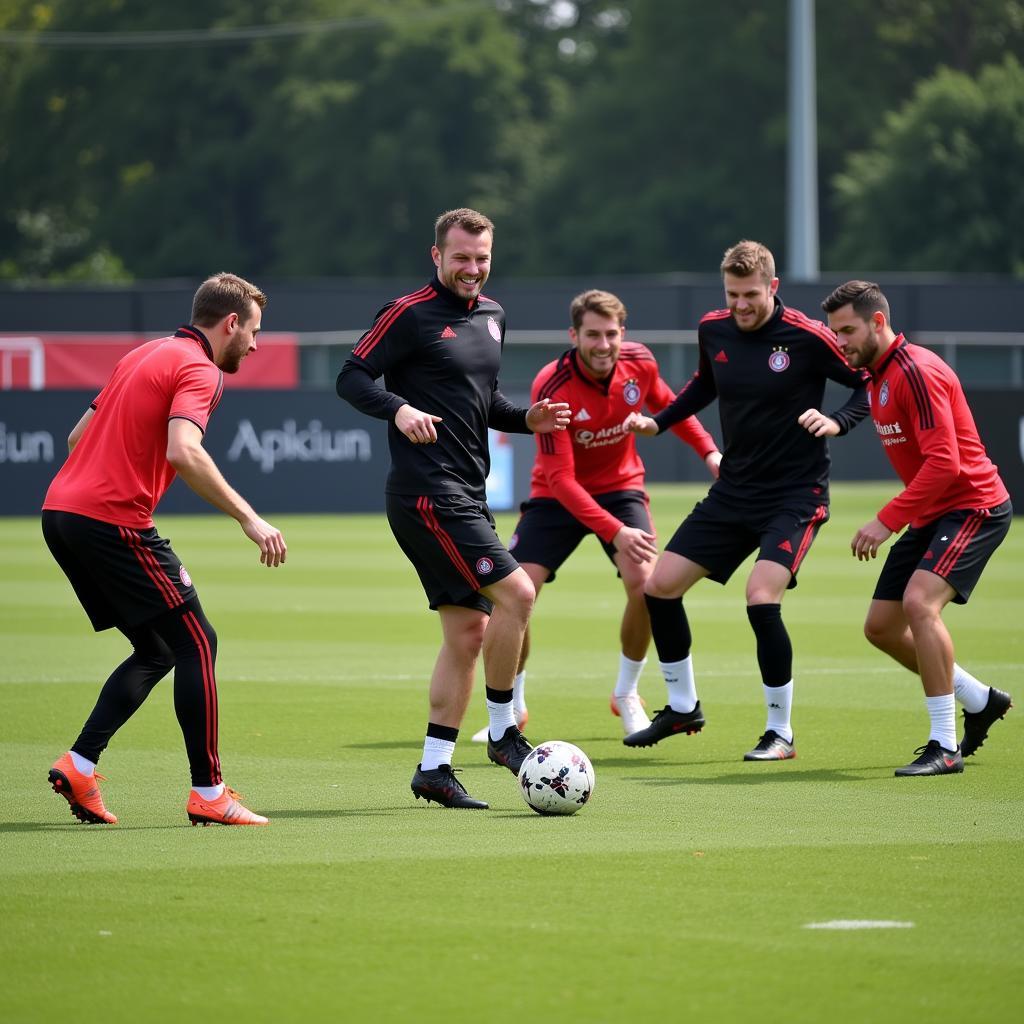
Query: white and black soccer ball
x: 556, y: 778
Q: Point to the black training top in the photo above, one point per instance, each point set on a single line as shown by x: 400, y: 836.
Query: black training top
x: 440, y: 354
x: 764, y: 380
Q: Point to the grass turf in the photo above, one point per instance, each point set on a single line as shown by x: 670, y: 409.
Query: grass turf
x: 682, y: 890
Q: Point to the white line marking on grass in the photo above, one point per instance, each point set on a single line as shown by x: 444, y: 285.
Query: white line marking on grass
x: 849, y: 926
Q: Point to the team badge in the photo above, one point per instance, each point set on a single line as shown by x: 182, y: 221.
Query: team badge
x: 778, y: 360
x: 186, y: 580
x: 631, y: 391
x: 484, y: 566
x: 493, y: 328
x: 883, y: 393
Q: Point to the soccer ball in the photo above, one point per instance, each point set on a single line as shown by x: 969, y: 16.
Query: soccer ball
x: 556, y: 778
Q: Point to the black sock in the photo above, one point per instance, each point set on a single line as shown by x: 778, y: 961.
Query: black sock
x: 774, y: 649
x: 669, y: 627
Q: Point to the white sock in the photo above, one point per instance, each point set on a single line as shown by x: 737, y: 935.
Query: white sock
x: 437, y: 752
x: 209, y: 792
x: 629, y: 676
x: 942, y: 711
x: 500, y: 717
x: 519, y: 692
x: 82, y: 764
x: 682, y: 693
x: 971, y: 692
x: 779, y: 702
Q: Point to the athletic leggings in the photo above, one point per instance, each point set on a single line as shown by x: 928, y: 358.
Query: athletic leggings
x: 184, y: 640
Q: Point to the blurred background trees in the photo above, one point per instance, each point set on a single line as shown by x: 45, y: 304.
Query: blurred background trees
x: 321, y: 137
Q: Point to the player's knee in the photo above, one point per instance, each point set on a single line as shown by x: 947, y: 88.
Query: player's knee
x: 877, y: 634
x: 918, y: 607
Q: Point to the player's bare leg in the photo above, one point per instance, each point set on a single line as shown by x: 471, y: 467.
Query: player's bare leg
x: 634, y: 638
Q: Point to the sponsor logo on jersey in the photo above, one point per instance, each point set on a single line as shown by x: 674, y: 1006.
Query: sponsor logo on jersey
x: 495, y: 331
x: 484, y: 566
x: 186, y: 580
x: 448, y: 332
x: 778, y: 360
x: 631, y: 391
x: 582, y: 416
x: 883, y: 393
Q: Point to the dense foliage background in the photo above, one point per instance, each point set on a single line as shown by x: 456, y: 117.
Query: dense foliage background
x: 630, y: 136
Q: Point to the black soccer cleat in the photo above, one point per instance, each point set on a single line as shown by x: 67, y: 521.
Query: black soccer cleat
x: 934, y: 759
x: 510, y: 751
x: 440, y: 785
x: 977, y: 725
x: 771, y: 747
x: 667, y: 722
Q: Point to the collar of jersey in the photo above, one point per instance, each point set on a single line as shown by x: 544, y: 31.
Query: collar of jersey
x: 898, y: 343
x: 190, y: 331
x: 601, y: 385
x: 450, y: 296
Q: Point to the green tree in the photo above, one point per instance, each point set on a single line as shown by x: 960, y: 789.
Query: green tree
x: 941, y: 187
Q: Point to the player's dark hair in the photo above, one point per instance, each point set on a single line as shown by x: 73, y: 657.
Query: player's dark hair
x: 746, y: 258
x: 864, y: 296
x: 469, y: 220
x: 596, y: 301
x: 222, y: 294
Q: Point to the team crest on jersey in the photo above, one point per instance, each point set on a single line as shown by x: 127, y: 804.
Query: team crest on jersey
x: 186, y: 580
x: 631, y: 391
x: 484, y: 566
x: 883, y: 393
x: 778, y: 360
x: 493, y: 328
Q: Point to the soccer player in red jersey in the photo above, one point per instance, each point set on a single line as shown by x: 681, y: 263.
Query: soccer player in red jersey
x: 590, y: 479
x: 767, y: 364
x: 956, y: 510
x: 145, y: 426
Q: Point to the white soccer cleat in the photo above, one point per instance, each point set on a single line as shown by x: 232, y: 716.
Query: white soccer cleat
x: 522, y: 717
x: 631, y: 710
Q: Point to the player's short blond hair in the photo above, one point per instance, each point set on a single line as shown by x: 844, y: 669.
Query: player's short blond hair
x: 746, y: 258
x: 222, y: 294
x: 469, y: 220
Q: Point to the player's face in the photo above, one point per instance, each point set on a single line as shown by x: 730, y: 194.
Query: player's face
x: 597, y: 342
x: 858, y: 338
x: 464, y: 264
x: 242, y: 340
x: 751, y: 300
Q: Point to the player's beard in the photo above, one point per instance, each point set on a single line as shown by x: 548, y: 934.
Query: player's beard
x: 233, y: 355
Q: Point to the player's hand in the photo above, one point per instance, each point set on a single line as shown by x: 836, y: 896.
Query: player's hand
x: 818, y: 424
x: 636, y: 544
x: 868, y: 539
x: 713, y: 460
x: 268, y: 539
x: 545, y: 416
x: 417, y: 426
x: 638, y: 423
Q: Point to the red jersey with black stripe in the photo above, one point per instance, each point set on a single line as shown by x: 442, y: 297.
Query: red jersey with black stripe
x: 764, y: 380
x: 440, y: 354
x: 927, y: 430
x: 118, y: 471
x: 595, y: 455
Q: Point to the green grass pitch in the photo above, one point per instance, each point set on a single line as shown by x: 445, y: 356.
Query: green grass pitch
x: 683, y: 891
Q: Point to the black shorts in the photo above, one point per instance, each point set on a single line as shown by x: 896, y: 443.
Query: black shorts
x: 121, y: 576
x: 453, y: 546
x: 548, y: 533
x: 719, y: 534
x: 956, y: 547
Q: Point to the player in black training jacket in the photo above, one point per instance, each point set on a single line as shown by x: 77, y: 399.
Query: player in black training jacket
x: 767, y: 365
x: 439, y: 350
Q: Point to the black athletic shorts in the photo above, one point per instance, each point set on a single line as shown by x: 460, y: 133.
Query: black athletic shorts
x: 453, y: 546
x: 548, y: 533
x: 719, y: 534
x: 957, y: 547
x: 121, y: 576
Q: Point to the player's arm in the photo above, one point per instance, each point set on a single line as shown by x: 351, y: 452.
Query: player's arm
x: 856, y: 407
x: 76, y: 434
x: 696, y: 393
x: 542, y: 417
x: 690, y: 430
x: 191, y: 461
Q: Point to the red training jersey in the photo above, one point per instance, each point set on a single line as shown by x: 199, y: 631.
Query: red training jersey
x: 927, y: 430
x: 118, y: 471
x: 595, y: 455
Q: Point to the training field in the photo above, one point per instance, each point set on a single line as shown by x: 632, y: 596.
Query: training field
x: 684, y: 891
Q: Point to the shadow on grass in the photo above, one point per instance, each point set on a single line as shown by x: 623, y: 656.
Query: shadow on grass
x: 759, y: 776
x: 386, y: 745
x: 337, y: 812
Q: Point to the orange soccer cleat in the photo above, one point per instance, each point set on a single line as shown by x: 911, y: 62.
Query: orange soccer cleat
x: 225, y: 810
x: 82, y: 792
